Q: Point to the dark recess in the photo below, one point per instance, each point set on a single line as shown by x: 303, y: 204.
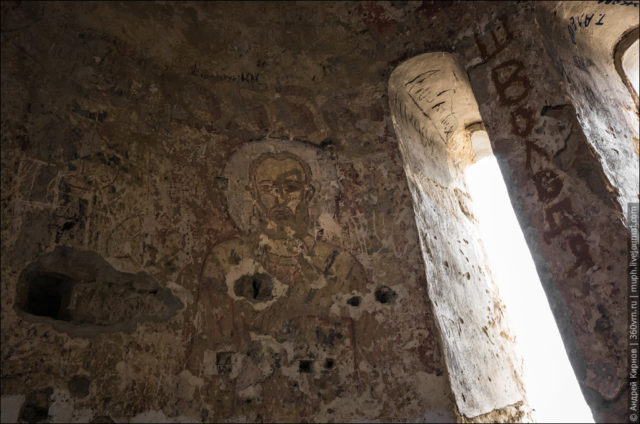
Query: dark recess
x: 306, y: 366
x: 254, y: 288
x: 48, y: 295
x: 385, y: 295
x: 354, y: 301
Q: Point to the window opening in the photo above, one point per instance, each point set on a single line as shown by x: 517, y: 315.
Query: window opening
x: 630, y: 64
x: 448, y: 163
x: 625, y: 59
x: 551, y: 385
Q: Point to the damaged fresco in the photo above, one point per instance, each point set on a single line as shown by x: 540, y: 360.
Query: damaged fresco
x: 213, y: 195
x: 223, y: 248
x: 279, y: 290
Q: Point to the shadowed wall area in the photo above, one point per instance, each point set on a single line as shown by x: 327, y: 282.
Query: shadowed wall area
x: 207, y: 211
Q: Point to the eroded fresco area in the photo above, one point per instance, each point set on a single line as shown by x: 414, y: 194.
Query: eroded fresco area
x: 137, y: 136
x: 224, y: 237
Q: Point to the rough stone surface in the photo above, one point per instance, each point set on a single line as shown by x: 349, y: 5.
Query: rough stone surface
x: 120, y: 129
x: 567, y: 207
x: 604, y: 105
x: 243, y: 158
x: 78, y: 292
x: 431, y: 105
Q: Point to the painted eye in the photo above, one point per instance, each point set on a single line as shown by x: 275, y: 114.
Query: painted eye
x: 266, y: 186
x: 290, y: 187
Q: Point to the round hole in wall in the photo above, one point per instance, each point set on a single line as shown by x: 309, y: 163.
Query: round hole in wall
x: 305, y: 366
x: 385, y: 295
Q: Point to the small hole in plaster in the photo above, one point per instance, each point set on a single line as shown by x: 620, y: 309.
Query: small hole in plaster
x: 224, y: 362
x: 254, y: 288
x: 306, y: 366
x: 354, y: 301
x: 385, y: 295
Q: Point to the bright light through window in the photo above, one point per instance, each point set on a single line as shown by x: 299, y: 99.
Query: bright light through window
x: 630, y: 64
x: 551, y: 385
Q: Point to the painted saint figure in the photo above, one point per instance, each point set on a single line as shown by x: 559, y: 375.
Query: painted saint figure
x: 279, y: 279
x: 282, y: 189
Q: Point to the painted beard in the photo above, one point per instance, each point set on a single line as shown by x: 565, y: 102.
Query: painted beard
x: 281, y: 214
x: 280, y: 221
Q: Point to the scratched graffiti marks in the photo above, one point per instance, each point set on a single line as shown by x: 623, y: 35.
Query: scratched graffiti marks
x: 408, y: 118
x: 435, y: 104
x: 580, y: 22
x: 619, y: 2
x: 243, y: 77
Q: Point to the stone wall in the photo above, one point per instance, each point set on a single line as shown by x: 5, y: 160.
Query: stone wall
x: 232, y: 173
x: 605, y: 107
x: 131, y: 135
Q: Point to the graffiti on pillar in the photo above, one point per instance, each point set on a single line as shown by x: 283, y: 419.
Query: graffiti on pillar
x: 514, y: 87
x: 435, y: 104
x: 619, y: 2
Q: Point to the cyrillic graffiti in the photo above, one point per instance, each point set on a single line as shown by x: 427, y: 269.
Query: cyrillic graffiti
x: 513, y: 88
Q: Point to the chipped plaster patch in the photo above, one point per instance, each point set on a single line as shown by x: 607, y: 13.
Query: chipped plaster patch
x: 61, y: 408
x: 250, y: 267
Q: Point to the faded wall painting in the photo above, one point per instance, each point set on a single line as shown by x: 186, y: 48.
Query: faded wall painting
x: 279, y: 290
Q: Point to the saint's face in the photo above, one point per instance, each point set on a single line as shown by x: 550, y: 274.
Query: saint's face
x: 280, y: 189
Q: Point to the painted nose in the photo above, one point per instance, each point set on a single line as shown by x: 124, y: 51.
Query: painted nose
x: 281, y: 196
